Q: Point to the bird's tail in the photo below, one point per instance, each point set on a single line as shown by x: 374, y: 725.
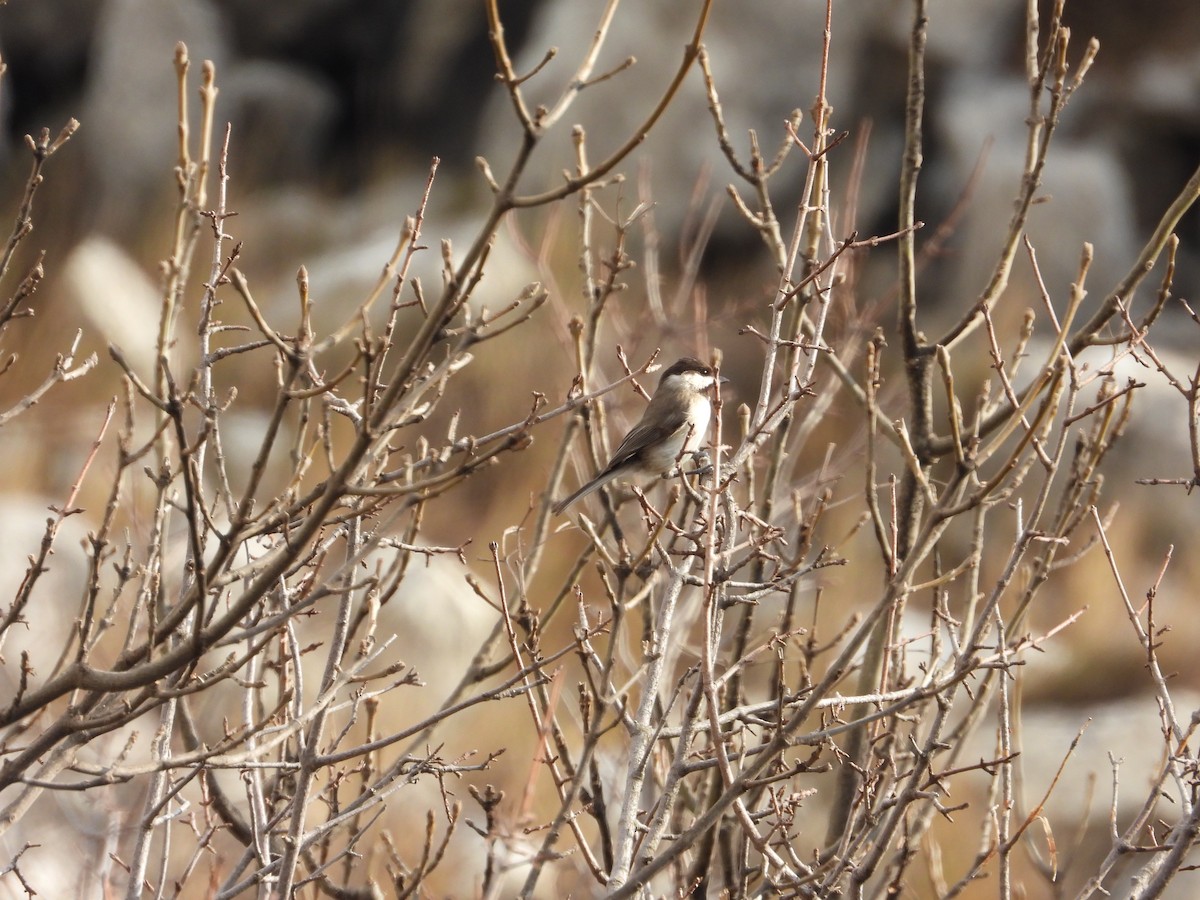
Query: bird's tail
x: 594, y: 485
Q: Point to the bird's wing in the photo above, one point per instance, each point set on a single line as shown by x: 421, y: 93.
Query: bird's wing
x: 644, y: 435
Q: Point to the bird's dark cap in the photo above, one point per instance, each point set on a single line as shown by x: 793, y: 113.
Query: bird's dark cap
x: 686, y: 364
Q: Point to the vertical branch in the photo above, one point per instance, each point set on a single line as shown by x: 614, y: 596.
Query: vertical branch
x: 642, y: 733
x: 190, y: 180
x: 918, y: 362
x: 918, y: 356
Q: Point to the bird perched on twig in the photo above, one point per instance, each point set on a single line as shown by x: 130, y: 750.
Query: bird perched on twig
x: 674, y: 423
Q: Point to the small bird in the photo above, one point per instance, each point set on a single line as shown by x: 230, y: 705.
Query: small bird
x: 674, y: 423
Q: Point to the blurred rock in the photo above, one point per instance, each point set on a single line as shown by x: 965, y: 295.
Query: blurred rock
x: 681, y: 155
x: 118, y: 298
x: 282, y: 117
x: 1085, y: 193
x: 1127, y: 735
x: 50, y: 615
x: 131, y: 105
x: 362, y: 233
x: 408, y: 76
x: 340, y: 92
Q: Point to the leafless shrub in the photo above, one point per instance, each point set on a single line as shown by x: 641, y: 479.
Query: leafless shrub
x: 700, y: 722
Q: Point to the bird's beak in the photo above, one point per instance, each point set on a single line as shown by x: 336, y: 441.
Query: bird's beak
x: 723, y: 380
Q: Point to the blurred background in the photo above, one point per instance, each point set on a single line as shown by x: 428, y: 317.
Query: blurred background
x: 337, y: 107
